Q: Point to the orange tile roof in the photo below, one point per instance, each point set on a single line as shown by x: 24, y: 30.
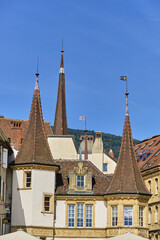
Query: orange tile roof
x: 148, y: 153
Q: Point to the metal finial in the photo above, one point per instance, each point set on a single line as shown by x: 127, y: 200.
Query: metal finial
x: 37, y: 74
x: 62, y: 46
x: 124, y: 78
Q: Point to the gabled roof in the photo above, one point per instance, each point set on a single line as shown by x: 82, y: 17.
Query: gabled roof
x: 100, y: 181
x: 35, y: 148
x: 127, y: 178
x: 148, y: 153
x: 60, y: 122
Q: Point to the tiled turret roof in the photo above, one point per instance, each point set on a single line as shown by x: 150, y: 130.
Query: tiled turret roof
x: 127, y: 177
x: 60, y: 122
x: 35, y: 148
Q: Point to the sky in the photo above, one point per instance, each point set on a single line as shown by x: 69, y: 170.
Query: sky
x: 102, y: 40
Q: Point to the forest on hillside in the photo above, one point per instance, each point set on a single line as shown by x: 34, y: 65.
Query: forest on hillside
x: 109, y: 140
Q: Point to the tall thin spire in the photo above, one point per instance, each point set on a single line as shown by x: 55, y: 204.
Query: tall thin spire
x: 60, y: 122
x: 35, y: 148
x: 37, y: 74
x: 127, y: 178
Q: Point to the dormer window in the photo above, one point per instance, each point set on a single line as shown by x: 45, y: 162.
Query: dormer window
x: 80, y: 181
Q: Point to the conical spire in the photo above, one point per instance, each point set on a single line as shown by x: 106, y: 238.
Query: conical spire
x: 35, y: 148
x: 60, y: 122
x: 127, y: 177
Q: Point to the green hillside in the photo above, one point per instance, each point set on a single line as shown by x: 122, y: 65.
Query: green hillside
x: 108, y: 140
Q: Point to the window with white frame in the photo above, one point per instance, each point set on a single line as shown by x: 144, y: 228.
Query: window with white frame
x: 156, y: 180
x: 88, y: 215
x: 80, y: 181
x: 114, y: 216
x: 105, y: 167
x: 149, y: 219
x: 156, y: 219
x: 141, y: 216
x: 80, y: 215
x: 71, y: 215
x: 128, y: 215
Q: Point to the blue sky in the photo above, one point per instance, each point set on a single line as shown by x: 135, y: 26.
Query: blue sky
x: 102, y: 40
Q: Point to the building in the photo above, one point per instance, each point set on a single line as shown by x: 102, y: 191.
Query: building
x: 5, y: 201
x: 147, y: 153
x: 56, y: 194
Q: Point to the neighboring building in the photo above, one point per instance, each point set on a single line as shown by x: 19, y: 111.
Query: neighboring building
x: 148, y: 158
x: 5, y: 201
x: 15, y: 130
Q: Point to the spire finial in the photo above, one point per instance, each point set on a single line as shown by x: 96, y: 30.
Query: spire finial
x: 62, y: 65
x: 124, y: 78
x: 37, y: 74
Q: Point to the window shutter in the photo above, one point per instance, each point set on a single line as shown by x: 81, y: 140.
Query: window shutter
x: 5, y: 157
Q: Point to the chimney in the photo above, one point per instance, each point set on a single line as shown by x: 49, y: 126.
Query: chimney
x: 98, y: 143
x: 16, y: 133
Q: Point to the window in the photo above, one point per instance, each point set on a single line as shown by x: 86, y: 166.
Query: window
x: 114, y: 216
x: 128, y: 215
x: 0, y: 154
x: 47, y: 203
x: 149, y: 183
x: 80, y: 181
x: 141, y: 216
x: 105, y: 166
x: 79, y: 215
x: 88, y: 215
x: 156, y: 180
x: 152, y: 143
x: 149, y: 220
x: 71, y: 217
x: 156, y: 217
x: 28, y: 179
x: 143, y: 145
x: 137, y: 148
x: 157, y: 153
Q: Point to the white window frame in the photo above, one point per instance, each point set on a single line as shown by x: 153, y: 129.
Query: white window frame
x: 128, y: 214
x: 80, y: 214
x: 89, y: 216
x: 80, y: 181
x: 71, y: 215
x: 114, y: 216
x: 141, y: 216
x: 47, y: 207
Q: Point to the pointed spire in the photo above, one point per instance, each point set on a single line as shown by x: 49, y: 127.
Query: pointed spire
x: 37, y: 74
x: 127, y: 178
x: 60, y: 122
x: 35, y: 148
